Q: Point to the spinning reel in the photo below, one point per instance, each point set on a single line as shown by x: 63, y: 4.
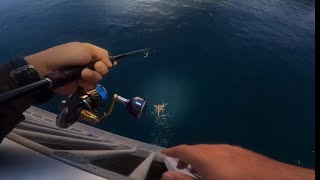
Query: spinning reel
x: 87, y: 106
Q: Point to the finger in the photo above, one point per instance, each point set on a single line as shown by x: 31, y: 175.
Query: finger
x: 107, y: 62
x: 101, y: 68
x: 67, y: 89
x: 187, y: 154
x: 171, y: 175
x: 98, y: 53
x: 182, y: 165
x: 182, y: 152
x: 192, y: 170
x: 115, y: 63
x: 86, y: 85
x: 90, y: 76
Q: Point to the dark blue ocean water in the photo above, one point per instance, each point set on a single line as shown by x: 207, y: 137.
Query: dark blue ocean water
x: 231, y: 71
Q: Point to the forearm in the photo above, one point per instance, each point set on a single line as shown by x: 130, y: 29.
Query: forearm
x: 11, y: 112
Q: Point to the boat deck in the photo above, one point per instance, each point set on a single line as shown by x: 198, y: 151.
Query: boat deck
x: 37, y: 149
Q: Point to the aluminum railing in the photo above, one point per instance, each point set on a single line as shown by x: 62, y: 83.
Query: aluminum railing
x: 36, y: 135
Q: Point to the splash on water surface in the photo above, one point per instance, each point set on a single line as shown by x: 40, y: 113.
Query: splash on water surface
x: 163, y: 125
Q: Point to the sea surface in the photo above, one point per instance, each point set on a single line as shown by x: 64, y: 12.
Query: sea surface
x: 232, y: 71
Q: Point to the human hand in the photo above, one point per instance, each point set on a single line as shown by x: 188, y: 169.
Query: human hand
x: 226, y: 162
x: 73, y: 54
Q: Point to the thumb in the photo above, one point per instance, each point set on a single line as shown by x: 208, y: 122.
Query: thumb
x: 172, y: 175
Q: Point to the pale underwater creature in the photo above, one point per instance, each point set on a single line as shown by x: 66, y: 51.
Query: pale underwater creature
x: 146, y: 54
x: 159, y: 108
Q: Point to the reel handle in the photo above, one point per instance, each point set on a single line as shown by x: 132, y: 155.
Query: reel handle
x: 136, y: 106
x: 71, y: 110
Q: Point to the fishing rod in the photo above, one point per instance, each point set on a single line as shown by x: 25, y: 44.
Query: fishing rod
x: 61, y: 78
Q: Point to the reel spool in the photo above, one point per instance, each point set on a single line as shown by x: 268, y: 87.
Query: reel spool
x: 86, y: 106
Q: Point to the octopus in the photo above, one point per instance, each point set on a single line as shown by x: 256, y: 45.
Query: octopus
x: 159, y: 108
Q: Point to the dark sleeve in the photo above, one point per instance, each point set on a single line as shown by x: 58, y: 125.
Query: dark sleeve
x: 11, y: 112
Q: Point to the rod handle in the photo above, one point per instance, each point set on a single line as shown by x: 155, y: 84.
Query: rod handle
x: 63, y: 77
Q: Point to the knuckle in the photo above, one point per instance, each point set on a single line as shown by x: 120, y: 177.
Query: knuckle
x: 89, y: 47
x: 226, y: 146
x: 87, y: 44
x: 183, y: 147
x: 100, y: 67
x: 237, y: 148
x: 75, y: 43
x: 85, y: 73
x: 229, y: 150
x: 106, y: 52
x: 105, y: 72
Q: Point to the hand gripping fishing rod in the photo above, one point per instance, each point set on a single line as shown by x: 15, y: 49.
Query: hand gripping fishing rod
x: 60, y: 78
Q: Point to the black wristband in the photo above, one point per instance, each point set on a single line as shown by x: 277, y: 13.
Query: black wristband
x: 22, y: 73
x: 16, y: 63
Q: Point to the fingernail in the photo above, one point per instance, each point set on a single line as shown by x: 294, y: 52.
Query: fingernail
x: 167, y: 176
